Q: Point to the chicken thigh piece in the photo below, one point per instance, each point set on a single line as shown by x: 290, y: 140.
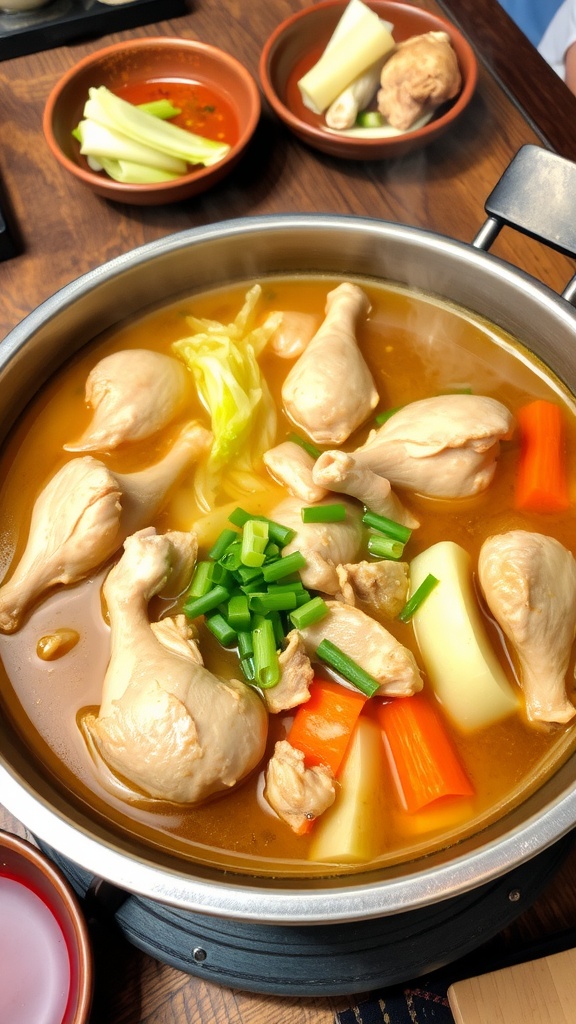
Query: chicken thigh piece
x: 324, y: 545
x: 371, y: 646
x: 294, y: 332
x: 134, y: 393
x: 292, y: 466
x: 421, y: 74
x: 82, y: 517
x: 166, y: 724
x: 442, y: 447
x: 329, y: 391
x: 338, y: 471
x: 529, y: 583
x: 297, y: 794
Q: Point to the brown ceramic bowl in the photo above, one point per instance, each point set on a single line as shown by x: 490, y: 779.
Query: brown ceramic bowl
x: 295, y: 46
x: 131, y: 64
x: 47, y: 961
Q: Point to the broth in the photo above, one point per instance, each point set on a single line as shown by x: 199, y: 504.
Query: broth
x: 416, y: 346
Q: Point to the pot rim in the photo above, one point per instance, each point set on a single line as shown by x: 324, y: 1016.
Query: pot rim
x: 352, y: 897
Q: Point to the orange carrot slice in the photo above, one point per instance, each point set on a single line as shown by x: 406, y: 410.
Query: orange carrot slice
x: 323, y: 726
x: 542, y: 484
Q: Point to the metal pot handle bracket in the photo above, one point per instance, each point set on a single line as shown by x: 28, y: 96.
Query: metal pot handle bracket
x: 535, y: 195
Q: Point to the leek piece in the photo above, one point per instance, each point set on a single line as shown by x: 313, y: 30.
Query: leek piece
x: 111, y: 111
x: 102, y: 142
x: 455, y: 648
x: 132, y: 174
x: 164, y: 109
x: 366, y: 41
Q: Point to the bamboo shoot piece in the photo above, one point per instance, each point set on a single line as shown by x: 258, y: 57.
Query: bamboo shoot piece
x: 349, y: 53
x: 350, y: 831
x: 456, y: 651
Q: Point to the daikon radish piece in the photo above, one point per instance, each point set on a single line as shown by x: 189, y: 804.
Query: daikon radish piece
x: 366, y: 40
x: 458, y: 657
x: 350, y: 831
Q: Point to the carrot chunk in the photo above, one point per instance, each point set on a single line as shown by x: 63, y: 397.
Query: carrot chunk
x: 542, y: 484
x: 424, y: 762
x: 323, y: 726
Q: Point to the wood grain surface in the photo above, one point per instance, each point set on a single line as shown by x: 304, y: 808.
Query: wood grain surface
x: 64, y: 231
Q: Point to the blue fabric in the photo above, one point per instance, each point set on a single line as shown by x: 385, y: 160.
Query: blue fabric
x: 532, y: 16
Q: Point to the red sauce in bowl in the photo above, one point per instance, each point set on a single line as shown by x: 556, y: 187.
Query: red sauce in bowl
x: 203, y: 111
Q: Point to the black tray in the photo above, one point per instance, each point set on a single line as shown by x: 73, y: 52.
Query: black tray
x: 61, y: 21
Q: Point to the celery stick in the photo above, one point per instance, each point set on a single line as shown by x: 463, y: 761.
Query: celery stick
x: 134, y: 174
x: 104, y: 143
x: 366, y: 41
x: 109, y: 110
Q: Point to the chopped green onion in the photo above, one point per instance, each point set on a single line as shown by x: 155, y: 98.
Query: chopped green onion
x: 309, y: 613
x: 222, y: 630
x: 284, y: 601
x: 239, y: 612
x: 295, y: 585
x: 347, y: 667
x: 385, y: 547
x: 247, y: 574
x: 272, y: 552
x: 369, y: 119
x: 201, y: 580
x: 335, y: 513
x: 306, y: 445
x: 387, y: 526
x: 248, y: 668
x: 245, y: 643
x: 384, y: 416
x: 232, y: 557
x: 277, y: 625
x: 266, y: 665
x: 283, y: 567
x: 207, y: 603
x: 254, y: 541
x: 418, y: 597
x: 221, y: 545
x: 279, y: 534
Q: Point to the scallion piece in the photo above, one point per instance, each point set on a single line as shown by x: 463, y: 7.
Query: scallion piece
x: 201, y: 580
x: 306, y: 445
x: 385, y: 547
x: 221, y: 545
x: 207, y: 603
x: 247, y: 666
x: 245, y: 643
x: 384, y: 416
x: 309, y: 613
x: 369, y: 119
x: 347, y: 667
x: 419, y: 595
x: 279, y: 534
x: 266, y: 665
x: 284, y: 601
x: 387, y: 526
x: 222, y: 630
x: 239, y: 612
x: 283, y: 567
x: 254, y: 541
x: 232, y: 557
x: 335, y: 513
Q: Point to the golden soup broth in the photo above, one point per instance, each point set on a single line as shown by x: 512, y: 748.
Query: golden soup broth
x: 416, y: 347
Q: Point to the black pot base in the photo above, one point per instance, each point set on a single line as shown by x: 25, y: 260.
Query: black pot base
x: 316, y: 960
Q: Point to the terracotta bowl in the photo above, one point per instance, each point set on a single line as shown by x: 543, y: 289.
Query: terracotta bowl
x: 134, y: 63
x: 47, y: 962
x: 297, y: 43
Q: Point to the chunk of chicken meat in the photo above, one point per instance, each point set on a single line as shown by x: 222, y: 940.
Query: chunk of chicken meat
x: 292, y: 466
x: 297, y: 794
x: 166, y: 724
x: 324, y: 545
x: 421, y: 74
x: 529, y: 583
x: 293, y: 334
x: 442, y: 447
x: 381, y: 585
x: 296, y: 674
x: 366, y: 641
x: 134, y: 393
x: 81, y: 518
x: 338, y: 471
x: 329, y: 391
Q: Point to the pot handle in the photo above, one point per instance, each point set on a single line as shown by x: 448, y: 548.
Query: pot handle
x: 535, y: 195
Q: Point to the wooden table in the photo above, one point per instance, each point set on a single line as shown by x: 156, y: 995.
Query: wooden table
x: 66, y: 231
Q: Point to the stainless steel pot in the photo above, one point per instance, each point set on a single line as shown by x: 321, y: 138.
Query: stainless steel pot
x: 247, y: 249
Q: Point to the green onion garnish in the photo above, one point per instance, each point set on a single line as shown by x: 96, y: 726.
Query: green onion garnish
x: 266, y: 666
x: 226, y: 538
x: 221, y: 629
x: 385, y: 547
x: 306, y: 445
x: 239, y: 612
x: 283, y: 601
x: 254, y: 541
x: 347, y: 667
x: 387, y: 526
x: 418, y: 597
x: 207, y: 603
x: 385, y: 415
x: 309, y: 613
x: 335, y: 513
x: 281, y: 535
x: 283, y: 567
